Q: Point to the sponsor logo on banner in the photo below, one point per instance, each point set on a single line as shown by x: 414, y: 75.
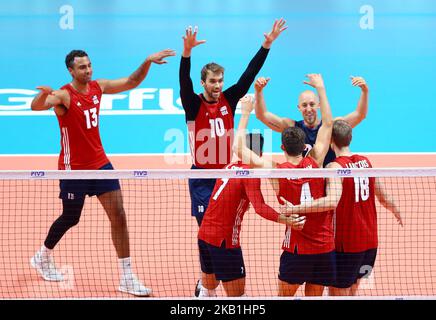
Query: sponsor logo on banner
x: 160, y: 101
x: 37, y: 174
x: 343, y: 172
x: 140, y: 174
x: 242, y: 172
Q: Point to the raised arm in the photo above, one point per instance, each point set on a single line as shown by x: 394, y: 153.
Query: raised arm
x: 254, y: 194
x: 240, y: 145
x: 323, y: 137
x: 123, y: 84
x: 356, y: 117
x: 386, y: 200
x: 237, y: 91
x: 190, y: 101
x: 271, y: 120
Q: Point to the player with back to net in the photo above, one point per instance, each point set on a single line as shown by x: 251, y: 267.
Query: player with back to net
x: 308, y: 254
x: 356, y: 235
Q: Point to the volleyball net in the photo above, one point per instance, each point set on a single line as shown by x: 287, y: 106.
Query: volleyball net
x: 163, y: 234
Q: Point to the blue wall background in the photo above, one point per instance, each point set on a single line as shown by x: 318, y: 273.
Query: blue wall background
x: 397, y: 58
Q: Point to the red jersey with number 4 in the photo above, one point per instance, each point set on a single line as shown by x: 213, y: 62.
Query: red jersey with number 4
x: 228, y: 203
x: 211, y: 134
x: 356, y: 214
x: 317, y: 235
x: 81, y: 147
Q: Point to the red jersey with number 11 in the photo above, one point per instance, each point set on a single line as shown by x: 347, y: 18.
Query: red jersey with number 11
x: 81, y: 147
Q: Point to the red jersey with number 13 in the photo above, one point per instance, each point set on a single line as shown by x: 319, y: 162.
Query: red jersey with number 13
x: 211, y: 134
x: 81, y: 147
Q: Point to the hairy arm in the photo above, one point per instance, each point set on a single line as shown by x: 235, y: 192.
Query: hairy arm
x: 327, y: 203
x: 323, y: 138
x: 48, y: 98
x: 123, y: 84
x: 240, y: 147
x: 386, y: 200
x: 254, y: 193
x: 271, y: 120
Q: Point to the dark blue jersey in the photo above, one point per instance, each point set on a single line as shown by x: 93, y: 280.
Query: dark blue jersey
x: 311, y: 134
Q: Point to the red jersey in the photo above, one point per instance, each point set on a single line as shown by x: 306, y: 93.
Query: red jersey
x: 211, y: 134
x: 228, y: 203
x: 81, y: 147
x: 317, y: 235
x: 356, y: 214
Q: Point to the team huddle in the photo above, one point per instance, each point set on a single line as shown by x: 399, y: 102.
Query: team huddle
x: 331, y: 224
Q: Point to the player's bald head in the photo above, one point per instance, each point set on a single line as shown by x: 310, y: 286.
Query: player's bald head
x: 307, y: 96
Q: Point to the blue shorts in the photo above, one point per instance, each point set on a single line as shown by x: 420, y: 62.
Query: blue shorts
x: 350, y: 267
x: 200, y: 191
x: 310, y: 268
x: 78, y: 189
x: 226, y: 264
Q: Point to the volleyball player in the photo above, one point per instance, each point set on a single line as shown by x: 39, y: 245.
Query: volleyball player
x: 308, y: 104
x: 356, y: 238
x: 77, y: 107
x: 210, y: 115
x: 308, y: 254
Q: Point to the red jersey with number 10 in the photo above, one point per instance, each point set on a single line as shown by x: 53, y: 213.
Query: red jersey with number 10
x: 317, y: 235
x: 356, y: 214
x: 81, y: 147
x: 211, y: 134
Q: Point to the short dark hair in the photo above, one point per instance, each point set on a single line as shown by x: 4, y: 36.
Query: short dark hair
x: 212, y: 67
x: 293, y: 140
x: 342, y: 133
x: 69, y: 59
x: 255, y: 142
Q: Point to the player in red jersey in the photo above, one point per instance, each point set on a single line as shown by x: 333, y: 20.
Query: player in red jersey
x: 356, y: 239
x: 77, y: 107
x: 221, y: 256
x: 308, y: 255
x: 210, y: 115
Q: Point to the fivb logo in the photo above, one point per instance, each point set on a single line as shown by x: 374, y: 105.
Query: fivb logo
x: 242, y: 172
x: 343, y: 172
x: 140, y: 174
x: 37, y: 174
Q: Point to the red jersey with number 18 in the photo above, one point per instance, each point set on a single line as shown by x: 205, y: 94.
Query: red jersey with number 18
x: 81, y: 147
x: 356, y: 214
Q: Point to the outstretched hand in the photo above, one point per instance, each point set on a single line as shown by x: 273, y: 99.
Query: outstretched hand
x: 159, y: 56
x: 190, y: 39
x: 261, y: 83
x: 45, y: 89
x: 247, y: 104
x: 315, y: 80
x: 359, y: 82
x: 278, y: 28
